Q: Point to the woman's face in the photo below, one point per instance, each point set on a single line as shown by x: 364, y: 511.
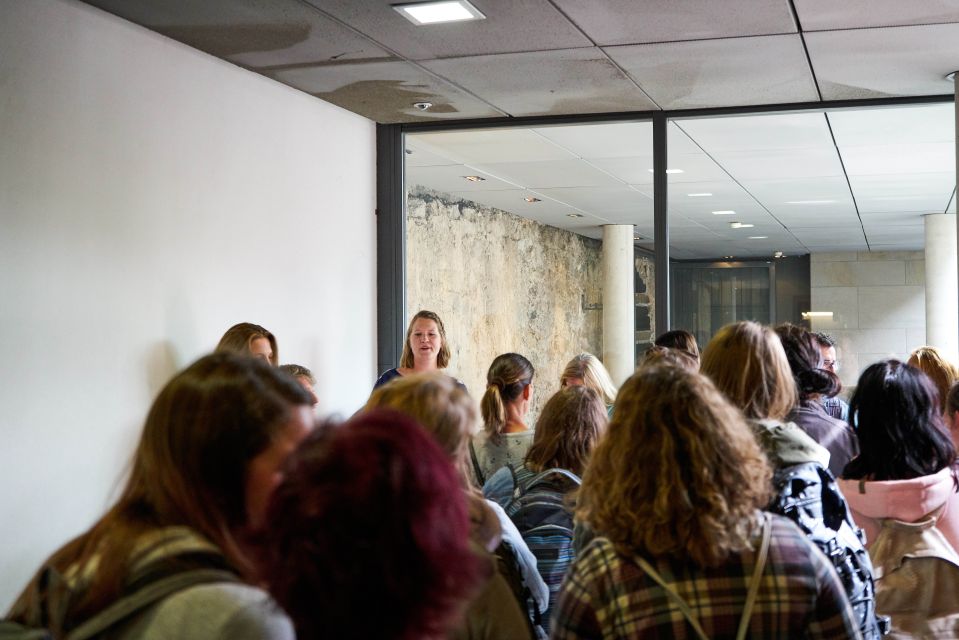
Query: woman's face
x: 260, y: 348
x: 425, y: 341
x: 263, y: 474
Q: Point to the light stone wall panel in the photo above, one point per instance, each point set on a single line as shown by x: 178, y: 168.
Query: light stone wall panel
x: 502, y: 283
x: 878, y: 304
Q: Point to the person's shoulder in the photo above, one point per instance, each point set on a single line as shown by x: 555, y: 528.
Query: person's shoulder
x: 220, y: 610
x: 386, y: 376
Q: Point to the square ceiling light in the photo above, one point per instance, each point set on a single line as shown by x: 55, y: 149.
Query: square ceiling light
x: 423, y: 13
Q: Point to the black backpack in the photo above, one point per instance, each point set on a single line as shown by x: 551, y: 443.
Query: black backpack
x: 807, y: 494
x: 539, y: 510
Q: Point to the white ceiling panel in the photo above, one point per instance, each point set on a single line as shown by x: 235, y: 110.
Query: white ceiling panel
x: 828, y: 195
x: 747, y: 166
x: 491, y: 145
x: 826, y: 234
x: 639, y: 170
x: 603, y: 201
x: 452, y: 178
x: 769, y: 132
x: 729, y: 72
x: 614, y: 140
x: 876, y: 63
x: 819, y: 15
x: 513, y: 202
x: 624, y: 22
x: 894, y: 125
x: 546, y: 82
x: 418, y: 156
x: 921, y: 192
x: 812, y: 219
x: 899, y: 159
x: 632, y: 170
x: 551, y: 174
x: 906, y: 218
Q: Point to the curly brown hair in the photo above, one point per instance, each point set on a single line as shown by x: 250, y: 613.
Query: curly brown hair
x: 934, y: 364
x: 678, y: 473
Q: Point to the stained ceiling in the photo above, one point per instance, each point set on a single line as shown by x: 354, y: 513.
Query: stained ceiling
x: 827, y: 180
x: 534, y: 57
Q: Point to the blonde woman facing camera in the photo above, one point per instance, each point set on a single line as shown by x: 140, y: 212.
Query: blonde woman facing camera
x: 586, y: 370
x: 674, y: 491
x: 425, y: 348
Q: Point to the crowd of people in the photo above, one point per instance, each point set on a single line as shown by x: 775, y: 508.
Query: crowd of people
x: 731, y: 493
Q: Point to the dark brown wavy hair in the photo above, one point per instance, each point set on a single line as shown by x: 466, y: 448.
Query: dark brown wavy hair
x: 678, y: 473
x: 568, y: 429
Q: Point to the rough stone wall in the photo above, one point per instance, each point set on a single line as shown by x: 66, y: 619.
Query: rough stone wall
x: 502, y: 283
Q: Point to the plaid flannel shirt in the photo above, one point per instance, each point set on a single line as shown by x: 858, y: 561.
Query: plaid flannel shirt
x: 608, y: 596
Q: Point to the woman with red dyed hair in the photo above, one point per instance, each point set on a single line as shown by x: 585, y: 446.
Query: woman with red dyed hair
x: 369, y: 534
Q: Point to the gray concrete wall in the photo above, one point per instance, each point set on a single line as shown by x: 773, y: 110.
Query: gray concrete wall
x: 502, y: 283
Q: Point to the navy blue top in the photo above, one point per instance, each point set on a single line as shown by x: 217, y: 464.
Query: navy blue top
x: 394, y: 373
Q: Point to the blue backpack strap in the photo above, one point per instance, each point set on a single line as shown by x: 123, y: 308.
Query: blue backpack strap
x: 543, y: 476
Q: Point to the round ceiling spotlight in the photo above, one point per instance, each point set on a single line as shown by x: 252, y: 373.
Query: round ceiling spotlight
x: 950, y: 77
x: 422, y: 106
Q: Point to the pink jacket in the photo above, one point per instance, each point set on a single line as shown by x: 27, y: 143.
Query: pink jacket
x: 905, y: 500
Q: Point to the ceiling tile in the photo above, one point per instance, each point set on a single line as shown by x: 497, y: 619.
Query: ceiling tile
x: 883, y: 193
x: 553, y: 173
x: 385, y: 91
x: 513, y: 202
x: 817, y: 15
x: 749, y: 166
x: 517, y: 25
x: 712, y: 73
x: 824, y: 235
x: 478, y: 146
x: 602, y: 201
x: 418, y: 156
x: 747, y: 133
x: 900, y: 159
x: 614, y: 140
x: 252, y: 34
x: 451, y: 178
x: 894, y: 125
x: 546, y: 82
x: 874, y: 63
x: 795, y: 200
x: 610, y: 22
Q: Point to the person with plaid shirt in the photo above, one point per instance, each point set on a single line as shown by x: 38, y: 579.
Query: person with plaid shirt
x: 683, y: 550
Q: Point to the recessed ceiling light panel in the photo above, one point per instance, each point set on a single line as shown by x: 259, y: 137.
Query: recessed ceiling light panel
x: 758, y: 237
x: 574, y: 215
x: 424, y: 13
x: 699, y: 195
x: 726, y: 212
x: 740, y: 225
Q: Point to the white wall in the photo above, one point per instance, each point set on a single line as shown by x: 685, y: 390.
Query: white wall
x: 878, y: 304
x: 150, y: 197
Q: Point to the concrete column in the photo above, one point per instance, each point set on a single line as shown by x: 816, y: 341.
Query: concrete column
x: 619, y: 305
x: 942, y: 284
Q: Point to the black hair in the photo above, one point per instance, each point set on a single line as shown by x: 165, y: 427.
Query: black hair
x: 805, y: 360
x: 895, y: 411
x: 824, y: 339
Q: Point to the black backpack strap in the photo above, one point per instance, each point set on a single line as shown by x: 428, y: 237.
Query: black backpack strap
x: 148, y: 593
x: 480, y: 480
